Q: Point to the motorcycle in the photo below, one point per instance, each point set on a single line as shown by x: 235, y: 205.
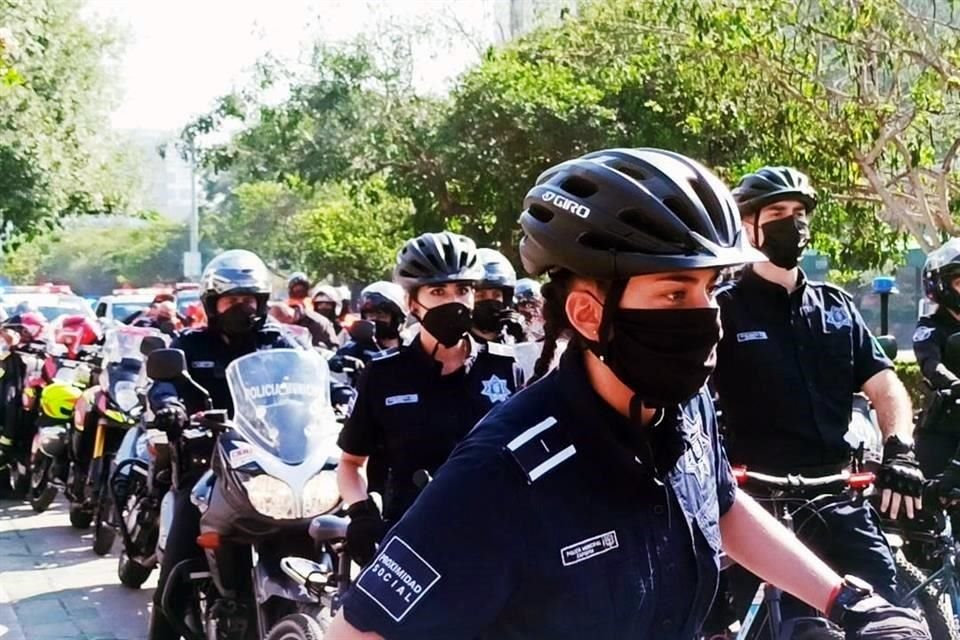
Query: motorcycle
x: 113, y: 407
x: 272, y: 472
x: 51, y: 456
x: 139, y: 482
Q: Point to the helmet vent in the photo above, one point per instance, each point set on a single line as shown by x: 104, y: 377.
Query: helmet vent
x: 604, y: 242
x: 579, y: 186
x: 634, y: 172
x: 646, y: 224
x: 542, y: 214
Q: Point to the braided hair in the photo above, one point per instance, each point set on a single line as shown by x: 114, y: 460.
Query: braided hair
x: 556, y: 324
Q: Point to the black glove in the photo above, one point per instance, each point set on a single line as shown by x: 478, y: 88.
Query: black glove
x: 948, y: 484
x: 900, y: 472
x: 863, y: 615
x: 512, y: 323
x: 365, y: 531
x: 171, y: 417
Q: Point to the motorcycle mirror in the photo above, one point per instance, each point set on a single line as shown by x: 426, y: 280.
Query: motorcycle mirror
x: 888, y: 344
x: 362, y: 330
x: 149, y: 344
x: 166, y: 364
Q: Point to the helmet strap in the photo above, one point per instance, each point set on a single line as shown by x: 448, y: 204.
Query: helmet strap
x: 601, y: 346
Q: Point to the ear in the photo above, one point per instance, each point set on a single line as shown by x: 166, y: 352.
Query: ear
x: 585, y: 312
x: 750, y: 226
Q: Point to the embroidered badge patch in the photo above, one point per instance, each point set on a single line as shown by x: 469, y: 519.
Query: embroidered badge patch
x: 203, y: 364
x: 495, y: 389
x: 922, y: 333
x: 750, y: 336
x: 589, y: 548
x: 397, y: 579
x: 838, y: 317
x: 410, y: 398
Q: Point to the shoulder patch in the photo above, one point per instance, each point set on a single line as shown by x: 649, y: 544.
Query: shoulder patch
x: 383, y: 355
x: 500, y: 349
x: 540, y: 449
x: 922, y: 333
x: 397, y: 579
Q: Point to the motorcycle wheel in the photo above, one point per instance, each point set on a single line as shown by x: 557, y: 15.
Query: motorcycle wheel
x: 104, y: 535
x: 80, y: 518
x: 41, y: 494
x: 297, y: 626
x: 132, y: 574
x: 934, y: 606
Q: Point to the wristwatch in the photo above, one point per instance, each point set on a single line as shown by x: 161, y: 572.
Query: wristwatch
x: 851, y: 591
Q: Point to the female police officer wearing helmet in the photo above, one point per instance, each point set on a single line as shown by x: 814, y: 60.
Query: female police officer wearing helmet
x: 592, y: 504
x: 414, y: 405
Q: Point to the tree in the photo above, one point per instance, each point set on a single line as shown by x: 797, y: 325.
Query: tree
x: 55, y: 159
x: 352, y: 232
x: 94, y: 255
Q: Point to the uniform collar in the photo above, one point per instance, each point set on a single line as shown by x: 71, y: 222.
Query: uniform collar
x: 757, y: 284
x: 944, y: 315
x: 424, y: 359
x: 620, y: 453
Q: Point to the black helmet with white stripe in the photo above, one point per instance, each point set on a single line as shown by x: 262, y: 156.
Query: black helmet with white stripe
x: 618, y: 213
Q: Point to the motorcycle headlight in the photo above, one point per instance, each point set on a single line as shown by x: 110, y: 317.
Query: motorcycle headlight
x: 269, y: 496
x: 321, y: 495
x: 126, y: 396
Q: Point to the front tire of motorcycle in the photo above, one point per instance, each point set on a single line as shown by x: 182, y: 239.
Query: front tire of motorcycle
x: 934, y: 606
x: 80, y: 518
x: 41, y: 494
x: 103, y: 534
x: 297, y: 626
x: 132, y: 574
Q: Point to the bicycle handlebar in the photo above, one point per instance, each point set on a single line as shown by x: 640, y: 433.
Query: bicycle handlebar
x: 844, y: 479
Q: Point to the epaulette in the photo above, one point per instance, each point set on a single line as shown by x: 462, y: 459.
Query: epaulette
x: 540, y: 449
x: 500, y: 349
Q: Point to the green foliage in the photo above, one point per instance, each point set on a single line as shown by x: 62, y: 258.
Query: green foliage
x: 55, y: 159
x: 353, y: 232
x: 94, y: 257
x: 861, y: 96
x: 909, y: 374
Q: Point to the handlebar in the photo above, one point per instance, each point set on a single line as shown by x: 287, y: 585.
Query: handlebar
x: 837, y: 481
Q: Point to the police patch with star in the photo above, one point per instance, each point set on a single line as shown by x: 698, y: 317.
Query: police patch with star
x: 495, y: 389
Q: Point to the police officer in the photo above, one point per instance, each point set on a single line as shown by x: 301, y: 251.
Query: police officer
x: 938, y: 434
x: 591, y: 504
x: 494, y: 319
x: 529, y: 303
x: 236, y: 287
x: 298, y: 290
x: 792, y: 355
x: 413, y: 406
x: 383, y: 307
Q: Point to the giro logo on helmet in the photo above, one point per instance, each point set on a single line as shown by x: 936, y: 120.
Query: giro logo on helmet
x: 566, y: 203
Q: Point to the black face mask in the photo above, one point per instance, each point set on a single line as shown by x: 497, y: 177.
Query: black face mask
x: 237, y: 321
x: 486, y: 315
x: 328, y: 311
x: 448, y: 323
x: 386, y: 330
x: 663, y: 355
x: 784, y: 240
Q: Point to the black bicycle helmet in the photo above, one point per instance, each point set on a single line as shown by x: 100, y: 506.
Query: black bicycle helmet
x: 498, y: 273
x: 939, y: 271
x: 618, y: 213
x: 773, y: 184
x: 437, y: 258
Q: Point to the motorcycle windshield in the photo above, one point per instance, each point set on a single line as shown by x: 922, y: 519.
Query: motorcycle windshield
x: 122, y: 345
x: 281, y: 400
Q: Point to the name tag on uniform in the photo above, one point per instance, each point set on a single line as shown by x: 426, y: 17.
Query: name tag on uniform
x: 410, y: 398
x: 750, y: 336
x: 203, y: 364
x: 589, y: 548
x: 397, y: 579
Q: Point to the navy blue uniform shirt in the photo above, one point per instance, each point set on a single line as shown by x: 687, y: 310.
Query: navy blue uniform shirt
x: 787, y: 368
x: 557, y: 518
x: 408, y: 417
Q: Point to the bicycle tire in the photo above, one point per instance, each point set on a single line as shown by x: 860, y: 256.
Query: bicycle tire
x: 937, y: 610
x: 297, y: 626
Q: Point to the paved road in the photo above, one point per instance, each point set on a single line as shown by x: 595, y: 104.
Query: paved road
x: 53, y: 587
